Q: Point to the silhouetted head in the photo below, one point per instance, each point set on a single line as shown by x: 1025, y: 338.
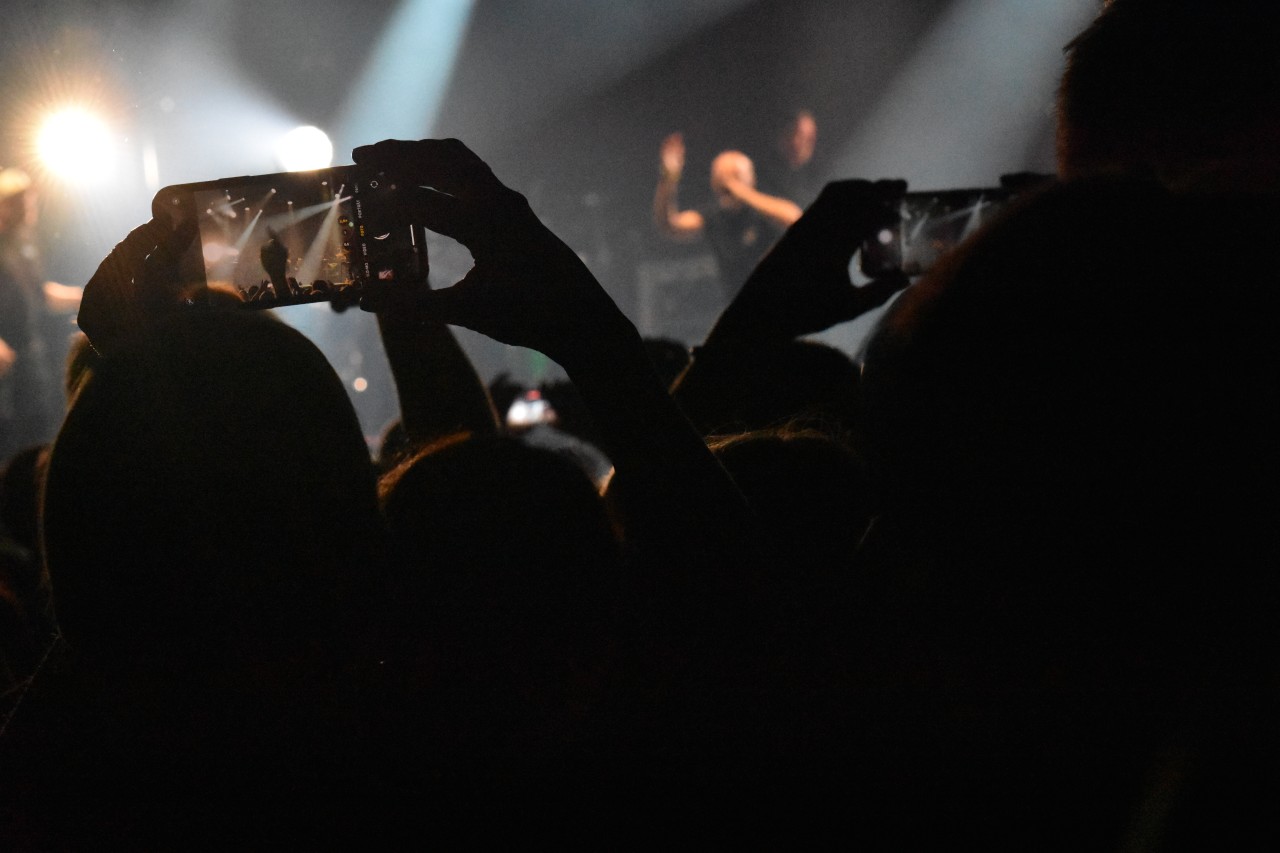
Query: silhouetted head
x: 1076, y: 401
x: 800, y: 380
x: 210, y: 484
x: 1179, y: 90
x: 809, y: 490
x: 492, y: 532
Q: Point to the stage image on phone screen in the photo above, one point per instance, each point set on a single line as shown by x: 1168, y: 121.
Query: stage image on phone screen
x: 932, y: 223
x: 295, y: 238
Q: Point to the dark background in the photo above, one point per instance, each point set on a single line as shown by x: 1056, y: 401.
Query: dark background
x: 567, y: 99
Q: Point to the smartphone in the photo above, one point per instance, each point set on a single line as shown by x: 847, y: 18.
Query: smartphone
x: 295, y: 237
x: 530, y: 409
x: 931, y: 223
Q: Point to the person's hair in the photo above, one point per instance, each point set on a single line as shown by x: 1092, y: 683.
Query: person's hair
x: 1069, y: 419
x: 798, y: 381
x: 490, y: 530
x: 210, y: 482
x: 809, y: 490
x: 1164, y: 87
x: 81, y: 358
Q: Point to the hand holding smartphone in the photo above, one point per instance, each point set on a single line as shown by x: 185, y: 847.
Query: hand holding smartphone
x: 293, y: 238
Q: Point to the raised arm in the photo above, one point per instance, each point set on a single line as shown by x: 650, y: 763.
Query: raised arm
x: 62, y: 297
x: 675, y: 223
x: 528, y: 288
x: 439, y: 390
x: 802, y: 286
x: 780, y: 211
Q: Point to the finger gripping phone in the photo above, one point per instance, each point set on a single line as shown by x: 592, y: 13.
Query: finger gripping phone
x: 293, y: 238
x: 930, y: 225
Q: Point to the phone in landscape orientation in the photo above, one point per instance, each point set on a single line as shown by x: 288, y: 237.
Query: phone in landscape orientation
x: 295, y: 237
x: 931, y: 224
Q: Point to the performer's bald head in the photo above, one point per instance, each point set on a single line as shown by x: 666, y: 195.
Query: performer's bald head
x: 731, y: 166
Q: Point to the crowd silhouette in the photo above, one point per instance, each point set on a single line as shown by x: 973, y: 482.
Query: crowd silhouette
x: 1008, y: 577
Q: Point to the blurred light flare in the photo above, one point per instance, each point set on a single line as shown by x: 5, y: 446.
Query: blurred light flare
x: 304, y: 148
x: 215, y: 252
x: 77, y: 146
x: 309, y: 269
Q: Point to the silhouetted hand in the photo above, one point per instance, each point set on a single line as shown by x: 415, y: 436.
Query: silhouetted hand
x: 803, y: 286
x: 135, y: 282
x: 527, y: 288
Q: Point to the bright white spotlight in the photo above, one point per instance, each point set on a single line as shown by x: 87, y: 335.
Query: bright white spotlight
x: 305, y: 148
x: 76, y: 146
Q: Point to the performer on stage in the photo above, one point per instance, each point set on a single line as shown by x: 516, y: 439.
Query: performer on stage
x: 30, y: 311
x: 741, y: 224
x: 275, y: 258
x: 789, y: 170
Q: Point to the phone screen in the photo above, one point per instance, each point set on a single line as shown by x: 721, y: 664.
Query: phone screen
x: 295, y: 237
x: 931, y: 224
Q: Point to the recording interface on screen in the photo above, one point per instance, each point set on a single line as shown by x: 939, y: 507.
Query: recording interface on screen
x: 931, y: 224
x: 294, y: 238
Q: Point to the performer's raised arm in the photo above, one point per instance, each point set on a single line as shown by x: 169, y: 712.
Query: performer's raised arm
x: 734, y: 176
x: 675, y: 223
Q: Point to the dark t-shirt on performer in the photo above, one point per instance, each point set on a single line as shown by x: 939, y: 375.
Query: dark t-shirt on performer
x: 802, y: 185
x: 739, y: 237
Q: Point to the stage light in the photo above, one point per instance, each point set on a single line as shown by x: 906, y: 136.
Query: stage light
x: 76, y: 146
x: 213, y: 252
x: 305, y: 148
x: 402, y: 85
x: 965, y: 107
